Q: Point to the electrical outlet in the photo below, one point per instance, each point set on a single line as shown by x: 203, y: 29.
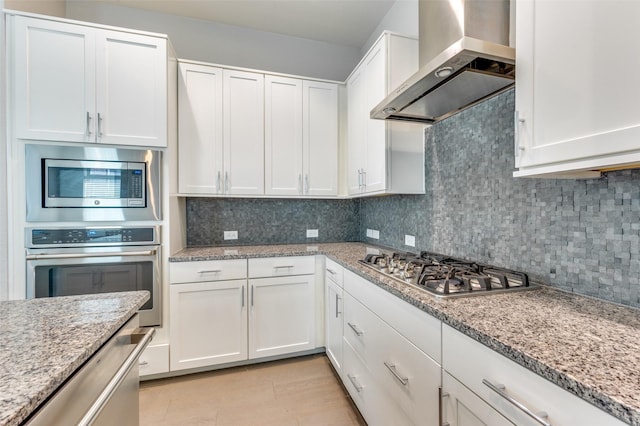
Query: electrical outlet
x: 369, y: 233
x: 375, y: 234
x: 230, y: 235
x: 312, y: 233
x: 409, y: 240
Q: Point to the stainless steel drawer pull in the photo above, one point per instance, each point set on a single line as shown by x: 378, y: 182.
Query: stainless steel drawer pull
x: 500, y: 390
x: 143, y: 362
x: 355, y: 383
x: 355, y: 329
x: 394, y: 371
x: 210, y: 271
x: 331, y: 271
x: 283, y: 267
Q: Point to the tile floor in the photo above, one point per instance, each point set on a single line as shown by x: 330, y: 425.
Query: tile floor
x: 298, y: 391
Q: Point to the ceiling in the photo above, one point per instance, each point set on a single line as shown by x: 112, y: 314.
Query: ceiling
x: 343, y: 22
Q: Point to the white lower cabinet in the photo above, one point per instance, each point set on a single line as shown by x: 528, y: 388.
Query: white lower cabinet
x: 208, y: 323
x: 541, y: 397
x: 154, y: 360
x: 333, y: 315
x: 389, y: 377
x: 281, y: 315
x: 220, y: 314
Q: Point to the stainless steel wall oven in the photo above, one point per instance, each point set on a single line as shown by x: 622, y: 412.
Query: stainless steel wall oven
x: 72, y: 261
x: 70, y: 184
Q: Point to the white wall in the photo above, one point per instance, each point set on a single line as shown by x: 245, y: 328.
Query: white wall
x: 226, y: 44
x: 402, y: 18
x: 44, y: 7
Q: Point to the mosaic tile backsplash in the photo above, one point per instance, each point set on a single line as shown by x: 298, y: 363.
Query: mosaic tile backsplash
x: 270, y: 221
x: 578, y: 235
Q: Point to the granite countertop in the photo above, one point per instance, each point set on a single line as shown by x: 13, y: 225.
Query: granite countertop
x: 587, y: 346
x: 44, y: 341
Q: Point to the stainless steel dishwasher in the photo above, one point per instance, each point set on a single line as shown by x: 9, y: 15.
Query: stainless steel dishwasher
x: 104, y: 391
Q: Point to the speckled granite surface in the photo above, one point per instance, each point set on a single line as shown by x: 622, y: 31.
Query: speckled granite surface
x: 588, y: 347
x: 43, y: 341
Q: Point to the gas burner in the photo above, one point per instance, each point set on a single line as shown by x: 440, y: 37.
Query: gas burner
x: 445, y: 276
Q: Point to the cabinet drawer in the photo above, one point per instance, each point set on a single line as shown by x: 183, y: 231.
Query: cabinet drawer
x: 409, y: 377
x: 421, y: 329
x: 334, y: 271
x: 154, y: 360
x: 281, y: 266
x: 361, y: 328
x: 207, y: 270
x: 535, y: 392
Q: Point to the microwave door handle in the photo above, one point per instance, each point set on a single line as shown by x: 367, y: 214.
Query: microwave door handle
x: 84, y: 255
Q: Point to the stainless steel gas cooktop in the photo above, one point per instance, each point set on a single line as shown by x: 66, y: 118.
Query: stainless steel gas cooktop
x: 444, y: 276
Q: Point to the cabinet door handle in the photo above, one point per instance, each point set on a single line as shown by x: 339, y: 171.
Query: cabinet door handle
x: 441, y: 396
x: 355, y: 329
x: 355, y: 383
x: 252, y: 295
x: 500, y: 390
x: 364, y: 178
x: 518, y: 122
x: 88, y: 124
x: 219, y: 182
x: 331, y: 271
x: 100, y: 125
x: 306, y: 184
x: 210, y: 271
x: 359, y: 178
x: 337, y: 302
x: 300, y: 186
x: 226, y: 182
x: 394, y: 371
x: 242, y: 296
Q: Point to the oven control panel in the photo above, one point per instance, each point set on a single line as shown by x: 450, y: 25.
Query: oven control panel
x: 66, y: 237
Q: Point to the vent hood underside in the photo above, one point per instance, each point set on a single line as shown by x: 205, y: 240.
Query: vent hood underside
x: 475, y: 70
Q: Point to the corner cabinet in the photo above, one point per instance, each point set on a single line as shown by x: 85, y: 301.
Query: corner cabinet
x: 76, y: 83
x: 577, y: 91
x: 383, y: 157
x: 301, y: 137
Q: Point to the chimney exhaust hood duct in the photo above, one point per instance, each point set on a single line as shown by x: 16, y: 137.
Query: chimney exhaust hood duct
x: 464, y: 58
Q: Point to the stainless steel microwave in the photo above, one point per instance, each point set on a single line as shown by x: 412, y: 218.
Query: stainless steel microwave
x: 66, y: 183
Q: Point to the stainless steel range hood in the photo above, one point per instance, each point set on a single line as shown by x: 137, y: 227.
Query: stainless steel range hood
x: 464, y: 58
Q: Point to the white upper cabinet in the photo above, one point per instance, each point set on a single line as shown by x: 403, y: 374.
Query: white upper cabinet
x: 243, y: 132
x: 383, y: 157
x: 283, y: 136
x: 200, y: 164
x: 577, y: 87
x: 76, y: 83
x: 301, y: 137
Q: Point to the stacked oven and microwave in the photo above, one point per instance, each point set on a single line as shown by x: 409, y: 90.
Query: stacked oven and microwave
x: 72, y: 191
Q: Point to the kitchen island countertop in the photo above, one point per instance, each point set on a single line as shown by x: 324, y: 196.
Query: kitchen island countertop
x: 586, y: 346
x: 44, y: 341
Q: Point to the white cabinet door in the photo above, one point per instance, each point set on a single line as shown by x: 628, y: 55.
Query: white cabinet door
x: 375, y: 172
x: 333, y: 323
x: 320, y: 138
x: 54, y: 80
x: 281, y: 315
x: 587, y: 118
x: 356, y: 131
x: 243, y: 129
x: 283, y: 136
x: 200, y: 164
x: 461, y: 407
x: 131, y: 87
x: 208, y: 323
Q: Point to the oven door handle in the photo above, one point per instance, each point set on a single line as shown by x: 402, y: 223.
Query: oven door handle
x: 85, y: 255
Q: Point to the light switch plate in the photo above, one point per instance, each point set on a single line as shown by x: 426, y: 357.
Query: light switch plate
x: 312, y: 233
x: 230, y: 235
x: 409, y: 240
